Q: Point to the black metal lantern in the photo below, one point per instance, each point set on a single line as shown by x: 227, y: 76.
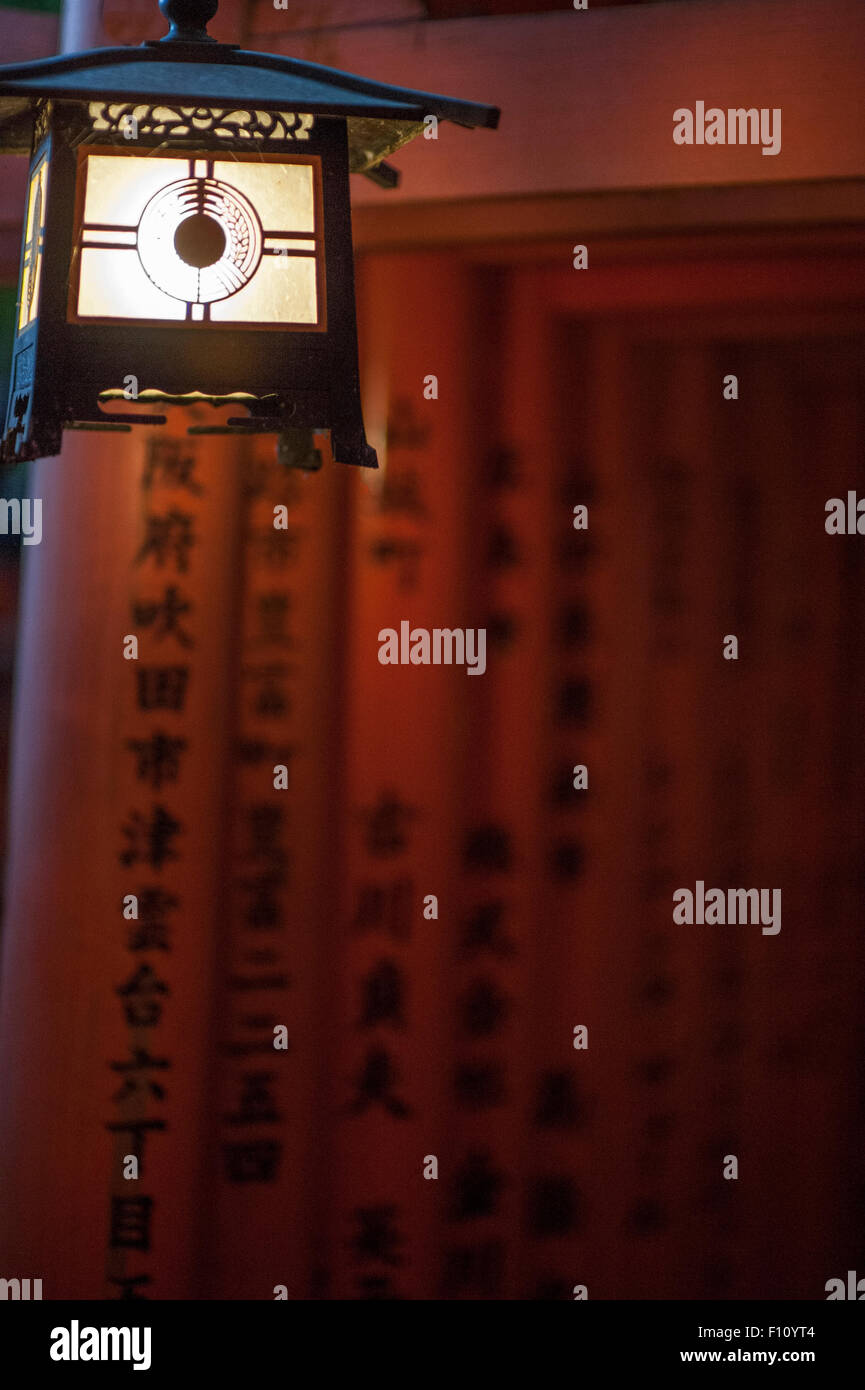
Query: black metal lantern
x: 188, y: 230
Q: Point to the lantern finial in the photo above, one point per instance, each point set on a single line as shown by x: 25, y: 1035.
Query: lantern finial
x: 189, y: 20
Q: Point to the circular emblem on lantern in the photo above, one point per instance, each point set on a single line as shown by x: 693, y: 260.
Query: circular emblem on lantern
x: 199, y: 240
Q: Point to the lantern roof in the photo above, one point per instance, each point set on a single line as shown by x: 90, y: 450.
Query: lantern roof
x: 190, y: 68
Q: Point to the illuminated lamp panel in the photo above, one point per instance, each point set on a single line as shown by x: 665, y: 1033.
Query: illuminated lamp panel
x: 199, y: 240
x: 34, y: 238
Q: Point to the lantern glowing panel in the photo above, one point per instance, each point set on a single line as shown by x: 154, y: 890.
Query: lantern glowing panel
x: 198, y: 239
x: 34, y: 237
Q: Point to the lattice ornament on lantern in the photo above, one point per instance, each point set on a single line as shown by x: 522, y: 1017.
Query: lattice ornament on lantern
x: 132, y: 120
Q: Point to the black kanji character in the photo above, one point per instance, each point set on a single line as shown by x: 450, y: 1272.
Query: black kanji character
x: 150, y: 841
x: 387, y: 825
x: 572, y: 624
x: 135, y: 1083
x: 383, y: 996
x: 479, y: 1084
x: 257, y: 1104
x: 558, y: 1104
x: 473, y: 1269
x: 173, y: 462
x: 138, y: 1129
x: 151, y: 931
x: 162, y: 687
x: 271, y: 699
x: 502, y: 549
x: 657, y: 991
x: 400, y: 493
x: 482, y: 1008
x: 483, y: 930
x: 162, y: 615
x: 566, y: 859
x: 168, y: 536
x: 277, y: 548
x: 385, y: 907
x: 266, y: 824
x: 502, y: 630
x: 501, y: 467
x: 647, y: 1216
x: 158, y: 757
x: 477, y: 1185
x: 377, y: 1237
x: 257, y: 1161
x: 488, y: 848
x: 264, y: 911
x: 142, y: 1007
x: 576, y: 549
x: 128, y: 1284
x: 553, y: 1206
x: 574, y: 702
x: 375, y: 1085
x: 130, y: 1223
x: 272, y: 610
x: 407, y: 553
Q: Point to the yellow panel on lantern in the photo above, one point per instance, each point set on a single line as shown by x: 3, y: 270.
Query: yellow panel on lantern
x: 113, y: 285
x: 283, y: 290
x: 31, y: 272
x: 283, y: 195
x: 119, y: 187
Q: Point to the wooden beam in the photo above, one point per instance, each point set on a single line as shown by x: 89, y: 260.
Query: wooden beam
x: 562, y: 221
x: 588, y: 97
